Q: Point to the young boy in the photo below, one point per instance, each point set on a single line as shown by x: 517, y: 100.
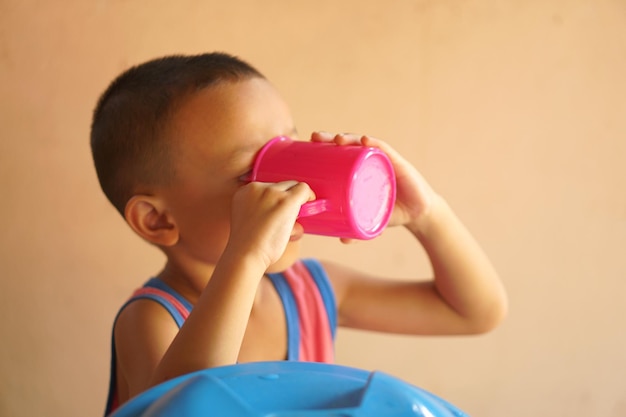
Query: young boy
x: 172, y: 141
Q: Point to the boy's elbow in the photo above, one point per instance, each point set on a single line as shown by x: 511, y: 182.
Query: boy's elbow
x: 491, y: 317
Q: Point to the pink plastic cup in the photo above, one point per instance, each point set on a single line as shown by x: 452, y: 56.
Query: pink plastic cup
x: 355, y: 186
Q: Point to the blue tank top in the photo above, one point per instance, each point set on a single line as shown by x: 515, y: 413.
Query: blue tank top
x: 308, y: 301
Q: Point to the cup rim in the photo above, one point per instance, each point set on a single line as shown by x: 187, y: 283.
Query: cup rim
x: 262, y: 152
x: 381, y: 156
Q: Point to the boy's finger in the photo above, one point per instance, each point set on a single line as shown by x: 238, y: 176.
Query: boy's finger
x: 284, y: 185
x: 322, y: 137
x: 302, y: 189
x: 383, y: 146
x: 347, y: 240
x: 307, y: 191
x: 347, y: 139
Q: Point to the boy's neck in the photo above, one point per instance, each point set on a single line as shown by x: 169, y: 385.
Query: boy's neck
x: 188, y: 281
x: 191, y: 283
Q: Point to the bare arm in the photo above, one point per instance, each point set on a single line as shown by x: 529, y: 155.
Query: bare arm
x: 465, y: 294
x: 143, y: 332
x: 150, y: 347
x: 464, y: 297
x: 263, y: 218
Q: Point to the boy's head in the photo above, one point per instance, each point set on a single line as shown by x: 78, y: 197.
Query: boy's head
x: 173, y: 140
x: 129, y: 130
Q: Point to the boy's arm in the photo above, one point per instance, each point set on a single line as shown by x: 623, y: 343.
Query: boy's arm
x: 262, y: 220
x: 465, y: 296
x: 143, y: 332
x: 150, y: 347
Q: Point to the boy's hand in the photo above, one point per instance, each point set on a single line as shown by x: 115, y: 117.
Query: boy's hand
x: 414, y: 196
x: 263, y: 218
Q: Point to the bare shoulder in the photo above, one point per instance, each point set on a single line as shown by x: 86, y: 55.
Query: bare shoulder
x: 143, y: 332
x: 143, y: 317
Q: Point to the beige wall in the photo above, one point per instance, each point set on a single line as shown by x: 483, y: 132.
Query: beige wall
x: 515, y: 111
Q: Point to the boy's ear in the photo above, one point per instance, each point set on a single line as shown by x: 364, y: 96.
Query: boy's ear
x: 148, y: 218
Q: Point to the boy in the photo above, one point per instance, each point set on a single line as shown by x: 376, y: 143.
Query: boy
x: 172, y: 142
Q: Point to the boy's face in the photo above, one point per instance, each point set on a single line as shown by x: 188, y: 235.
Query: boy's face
x: 216, y: 135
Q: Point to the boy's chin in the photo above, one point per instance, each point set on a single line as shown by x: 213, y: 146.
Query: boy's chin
x: 290, y: 256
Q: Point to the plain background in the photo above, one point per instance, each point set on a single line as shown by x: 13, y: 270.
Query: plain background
x: 514, y: 111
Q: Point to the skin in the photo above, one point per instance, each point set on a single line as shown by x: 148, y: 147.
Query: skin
x: 221, y: 234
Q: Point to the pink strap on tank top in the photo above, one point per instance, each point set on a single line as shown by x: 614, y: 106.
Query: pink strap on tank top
x: 182, y: 310
x: 316, y: 343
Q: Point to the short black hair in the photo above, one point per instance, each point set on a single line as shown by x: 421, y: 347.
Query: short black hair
x: 128, y: 141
